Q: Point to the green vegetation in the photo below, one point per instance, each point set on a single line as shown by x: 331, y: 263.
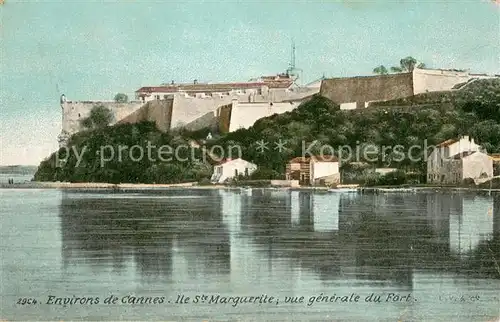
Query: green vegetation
x: 473, y: 110
x: 130, y: 167
x: 99, y: 117
x: 121, y: 98
x: 381, y: 70
x: 406, y: 65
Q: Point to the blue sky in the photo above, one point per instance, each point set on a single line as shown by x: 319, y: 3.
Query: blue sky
x: 93, y: 49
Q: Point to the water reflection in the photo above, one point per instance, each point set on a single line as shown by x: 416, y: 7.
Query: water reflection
x: 234, y: 243
x: 228, y: 234
x: 152, y: 233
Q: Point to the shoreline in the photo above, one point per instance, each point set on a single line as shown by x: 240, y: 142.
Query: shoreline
x: 194, y: 185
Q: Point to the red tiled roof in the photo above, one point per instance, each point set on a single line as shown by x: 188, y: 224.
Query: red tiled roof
x: 219, y: 87
x: 279, y: 84
x: 280, y: 77
x: 300, y: 160
x: 447, y: 143
x: 199, y: 87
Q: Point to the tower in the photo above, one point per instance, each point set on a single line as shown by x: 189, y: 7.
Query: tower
x: 293, y: 71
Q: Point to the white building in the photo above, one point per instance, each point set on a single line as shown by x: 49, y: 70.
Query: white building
x: 324, y: 168
x: 314, y: 170
x: 454, y: 160
x: 262, y: 89
x: 432, y: 80
x: 244, y: 115
x: 229, y: 169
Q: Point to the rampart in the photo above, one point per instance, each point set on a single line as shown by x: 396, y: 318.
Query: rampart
x: 430, y: 80
x: 364, y: 91
x: 177, y: 110
x: 358, y: 92
x: 243, y: 115
x: 158, y: 111
x: 73, y: 112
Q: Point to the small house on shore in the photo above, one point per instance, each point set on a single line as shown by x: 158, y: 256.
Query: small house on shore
x: 314, y: 170
x: 452, y: 161
x: 232, y: 168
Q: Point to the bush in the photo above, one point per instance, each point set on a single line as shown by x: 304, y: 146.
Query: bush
x: 371, y: 178
x: 100, y: 116
x: 204, y: 182
x: 121, y: 98
x: 468, y: 182
x: 266, y: 174
x: 395, y: 178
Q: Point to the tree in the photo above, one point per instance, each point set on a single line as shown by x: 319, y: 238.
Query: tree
x: 121, y: 98
x: 381, y: 70
x: 100, y: 116
x: 407, y: 65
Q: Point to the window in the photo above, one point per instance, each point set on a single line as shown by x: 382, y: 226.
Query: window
x: 246, y: 172
x: 79, y: 115
x: 235, y: 172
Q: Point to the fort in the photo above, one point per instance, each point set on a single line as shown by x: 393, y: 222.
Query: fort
x: 192, y: 106
x: 227, y: 107
x: 360, y: 92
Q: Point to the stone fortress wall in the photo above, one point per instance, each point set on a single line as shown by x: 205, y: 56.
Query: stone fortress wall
x: 242, y: 109
x: 73, y: 112
x: 195, y: 113
x: 434, y: 80
x: 359, y: 92
x: 158, y: 111
x: 173, y: 111
x: 244, y: 115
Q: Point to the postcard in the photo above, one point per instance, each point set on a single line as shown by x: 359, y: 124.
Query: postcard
x: 250, y: 160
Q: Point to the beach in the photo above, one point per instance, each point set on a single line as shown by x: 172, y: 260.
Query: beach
x: 85, y: 186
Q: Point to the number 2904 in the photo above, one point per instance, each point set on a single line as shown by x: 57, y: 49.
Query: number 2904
x: 25, y: 301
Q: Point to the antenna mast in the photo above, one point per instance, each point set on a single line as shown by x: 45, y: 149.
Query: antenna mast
x: 292, y: 71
